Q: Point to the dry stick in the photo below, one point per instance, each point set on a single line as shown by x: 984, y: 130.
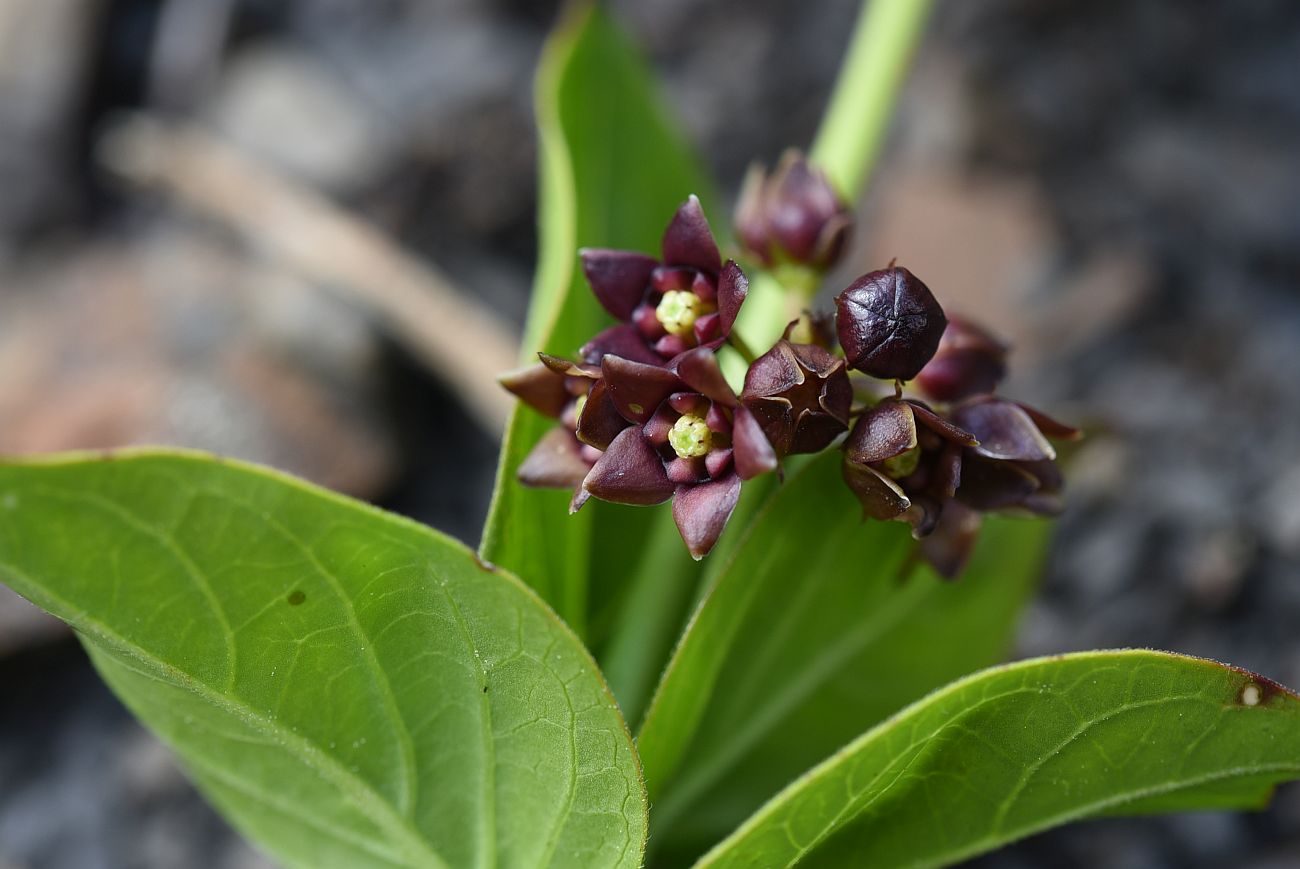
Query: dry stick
x: 459, y: 340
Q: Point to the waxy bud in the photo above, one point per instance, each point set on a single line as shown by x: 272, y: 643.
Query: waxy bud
x: 800, y: 394
x: 889, y: 324
x: 969, y: 361
x: 793, y: 216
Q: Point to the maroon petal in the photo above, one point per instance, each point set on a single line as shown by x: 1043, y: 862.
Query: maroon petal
x: 681, y: 471
x: 717, y: 419
x: 690, y: 402
x: 637, y: 389
x: 947, y: 471
x: 671, y: 345
x: 885, y: 431
x: 569, y: 368
x: 941, y: 426
x: 658, y: 426
x: 701, y: 512
x: 733, y: 287
x: 646, y: 321
x: 629, y: 472
x: 619, y: 278
x: 1049, y: 426
x: 622, y: 340
x: 580, y: 497
x: 555, y: 463
x: 718, y: 462
x: 1005, y: 431
x: 773, y: 373
x: 948, y: 548
x: 600, y: 421
x: 708, y: 328
x: 688, y: 241
x: 987, y: 485
x: 881, y: 497
x: 699, y: 370
x: 666, y: 278
x: 814, y: 432
x: 538, y: 387
x: 754, y: 455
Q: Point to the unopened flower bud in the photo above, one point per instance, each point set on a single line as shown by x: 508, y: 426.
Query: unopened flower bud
x: 792, y: 216
x: 969, y: 361
x: 889, y: 324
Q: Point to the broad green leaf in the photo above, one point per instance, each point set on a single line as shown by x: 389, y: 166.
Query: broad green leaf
x: 352, y: 689
x: 614, y: 167
x: 1017, y: 749
x: 819, y: 627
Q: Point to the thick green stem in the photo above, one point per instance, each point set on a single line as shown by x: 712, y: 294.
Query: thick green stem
x: 870, y: 79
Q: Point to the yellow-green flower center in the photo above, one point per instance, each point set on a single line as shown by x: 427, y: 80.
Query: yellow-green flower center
x: 678, y: 310
x: 903, y: 464
x: 690, y: 437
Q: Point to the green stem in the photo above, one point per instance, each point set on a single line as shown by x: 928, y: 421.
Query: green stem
x: 870, y: 79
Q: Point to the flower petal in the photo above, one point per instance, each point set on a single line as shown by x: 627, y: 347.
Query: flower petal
x: 555, y: 463
x: 884, y: 431
x: 1005, y: 431
x: 733, y: 287
x: 629, y: 472
x: 600, y: 421
x: 699, y: 370
x: 753, y: 454
x: 568, y: 368
x: 994, y: 485
x: 688, y: 241
x: 1050, y: 427
x: 622, y: 340
x: 941, y: 426
x: 814, y: 432
x: 701, y: 512
x: 618, y: 278
x: 949, y: 546
x: 637, y: 389
x: 881, y: 498
x: 538, y: 387
x: 693, y: 470
x: 718, y: 462
x: 774, y: 372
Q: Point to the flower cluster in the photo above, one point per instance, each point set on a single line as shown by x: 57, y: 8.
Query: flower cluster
x: 646, y: 414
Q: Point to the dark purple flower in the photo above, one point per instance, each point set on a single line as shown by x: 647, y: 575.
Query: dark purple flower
x: 793, y: 216
x: 889, y: 324
x: 1013, y: 467
x: 800, y: 394
x: 689, y: 438
x: 903, y: 461
x: 576, y: 396
x: 948, y: 546
x: 969, y: 361
x: 666, y: 307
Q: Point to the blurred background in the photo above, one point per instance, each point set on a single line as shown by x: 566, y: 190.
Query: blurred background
x: 257, y: 227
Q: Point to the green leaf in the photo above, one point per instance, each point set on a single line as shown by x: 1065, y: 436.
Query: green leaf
x: 614, y: 168
x: 818, y: 628
x: 1017, y: 749
x: 350, y: 688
